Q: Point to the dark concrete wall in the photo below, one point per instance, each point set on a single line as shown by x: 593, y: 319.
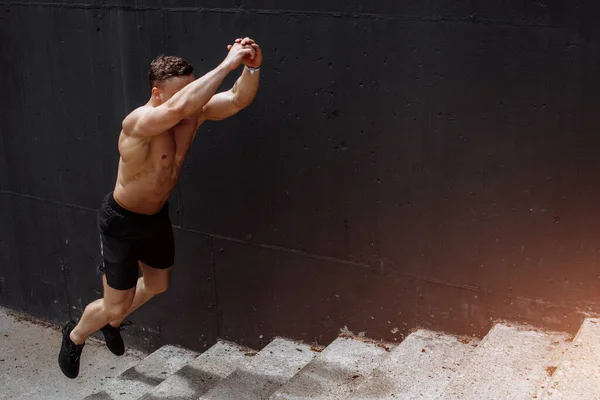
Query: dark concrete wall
x: 406, y: 163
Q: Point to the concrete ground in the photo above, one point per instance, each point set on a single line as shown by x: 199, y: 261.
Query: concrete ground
x: 29, y: 367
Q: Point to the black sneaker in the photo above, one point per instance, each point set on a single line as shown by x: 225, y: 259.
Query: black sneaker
x: 113, y: 338
x: 70, y: 353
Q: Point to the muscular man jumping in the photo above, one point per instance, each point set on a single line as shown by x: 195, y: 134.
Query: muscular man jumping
x: 133, y: 220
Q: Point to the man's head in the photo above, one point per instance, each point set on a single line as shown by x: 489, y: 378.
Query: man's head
x: 168, y: 75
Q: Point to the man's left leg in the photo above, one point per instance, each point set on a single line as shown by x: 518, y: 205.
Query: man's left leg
x: 153, y: 282
x: 156, y: 257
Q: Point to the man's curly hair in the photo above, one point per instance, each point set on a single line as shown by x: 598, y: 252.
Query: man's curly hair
x: 165, y: 67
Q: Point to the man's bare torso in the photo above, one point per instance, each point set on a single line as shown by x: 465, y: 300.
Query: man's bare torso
x: 150, y: 167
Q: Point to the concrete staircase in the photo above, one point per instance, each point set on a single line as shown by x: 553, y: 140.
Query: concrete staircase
x: 511, y: 362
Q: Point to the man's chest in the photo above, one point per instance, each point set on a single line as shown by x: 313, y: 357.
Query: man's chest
x: 173, y: 145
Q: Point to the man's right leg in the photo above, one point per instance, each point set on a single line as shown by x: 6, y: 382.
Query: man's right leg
x: 120, y: 231
x: 113, y: 306
x: 97, y: 314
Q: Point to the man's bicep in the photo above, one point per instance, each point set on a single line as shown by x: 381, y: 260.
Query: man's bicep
x: 151, y: 121
x: 220, y: 106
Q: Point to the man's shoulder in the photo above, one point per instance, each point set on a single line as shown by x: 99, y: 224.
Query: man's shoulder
x: 130, y: 121
x: 138, y: 111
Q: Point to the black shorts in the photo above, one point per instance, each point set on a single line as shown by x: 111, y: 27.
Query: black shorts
x: 127, y: 237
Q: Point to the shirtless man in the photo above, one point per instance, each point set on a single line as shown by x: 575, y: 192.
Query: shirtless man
x: 133, y: 220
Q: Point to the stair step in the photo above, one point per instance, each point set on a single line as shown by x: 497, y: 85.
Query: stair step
x: 150, y: 372
x: 510, y: 363
x: 336, y: 372
x: 200, y: 375
x: 419, y: 368
x: 578, y: 375
x: 262, y: 374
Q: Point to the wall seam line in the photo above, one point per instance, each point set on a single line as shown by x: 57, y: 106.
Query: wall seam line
x: 324, y: 258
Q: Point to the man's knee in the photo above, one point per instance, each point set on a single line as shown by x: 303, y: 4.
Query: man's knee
x: 117, y: 311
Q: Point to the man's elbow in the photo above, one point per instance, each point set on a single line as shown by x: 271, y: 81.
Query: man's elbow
x: 241, y: 102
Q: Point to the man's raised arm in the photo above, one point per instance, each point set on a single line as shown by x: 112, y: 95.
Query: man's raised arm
x: 224, y: 105
x: 151, y: 121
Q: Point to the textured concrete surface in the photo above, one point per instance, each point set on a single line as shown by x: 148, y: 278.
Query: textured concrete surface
x: 29, y: 367
x: 578, y: 376
x: 336, y: 372
x: 419, y: 368
x: 452, y: 140
x: 511, y: 362
x: 202, y: 374
x: 263, y: 373
x: 147, y: 374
